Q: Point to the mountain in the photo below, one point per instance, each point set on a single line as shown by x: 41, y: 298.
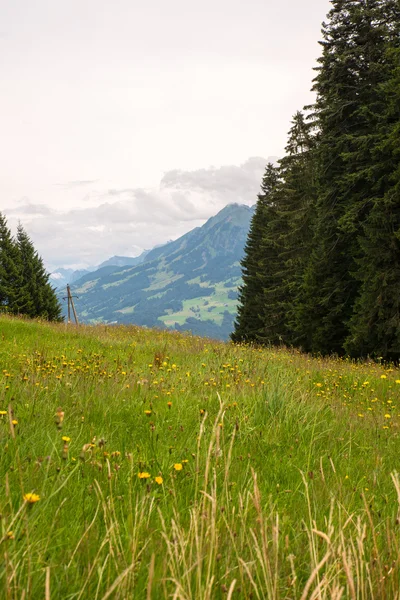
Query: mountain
x: 61, y: 277
x: 188, y: 284
x: 124, y: 261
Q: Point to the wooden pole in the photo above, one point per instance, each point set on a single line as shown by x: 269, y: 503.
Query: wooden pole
x: 74, y: 311
x: 71, y: 304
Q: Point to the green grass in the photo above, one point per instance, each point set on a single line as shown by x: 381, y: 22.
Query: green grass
x: 288, y: 486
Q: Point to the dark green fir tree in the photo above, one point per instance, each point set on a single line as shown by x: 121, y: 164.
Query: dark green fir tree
x: 13, y: 295
x: 44, y: 302
x: 350, y: 72
x: 249, y: 324
x: 289, y: 231
x: 375, y: 325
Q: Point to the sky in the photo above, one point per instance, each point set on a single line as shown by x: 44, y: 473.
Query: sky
x: 125, y: 123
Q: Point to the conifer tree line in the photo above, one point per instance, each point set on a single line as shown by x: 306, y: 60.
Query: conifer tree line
x: 321, y: 269
x: 24, y: 282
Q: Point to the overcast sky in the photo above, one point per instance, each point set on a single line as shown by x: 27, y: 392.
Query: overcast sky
x: 121, y: 121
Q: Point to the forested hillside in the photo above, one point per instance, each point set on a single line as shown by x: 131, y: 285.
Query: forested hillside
x: 322, y: 261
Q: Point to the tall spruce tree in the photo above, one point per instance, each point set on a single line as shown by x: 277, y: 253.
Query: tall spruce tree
x: 43, y: 299
x: 350, y: 71
x: 249, y: 323
x: 291, y: 233
x: 375, y: 325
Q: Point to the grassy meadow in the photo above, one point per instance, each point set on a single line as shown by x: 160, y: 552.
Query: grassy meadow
x: 147, y: 464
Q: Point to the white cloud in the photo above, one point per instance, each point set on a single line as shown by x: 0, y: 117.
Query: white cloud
x: 126, y: 221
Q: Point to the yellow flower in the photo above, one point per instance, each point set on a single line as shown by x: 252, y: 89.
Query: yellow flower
x: 31, y: 498
x: 143, y: 475
x: 14, y: 422
x: 65, y: 438
x: 158, y: 480
x: 3, y: 412
x: 387, y: 416
x: 383, y: 376
x: 147, y: 412
x: 178, y: 467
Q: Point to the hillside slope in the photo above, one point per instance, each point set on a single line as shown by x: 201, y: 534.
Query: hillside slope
x: 190, y: 283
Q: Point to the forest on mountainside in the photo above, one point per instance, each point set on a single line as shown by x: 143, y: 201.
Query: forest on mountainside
x: 321, y: 269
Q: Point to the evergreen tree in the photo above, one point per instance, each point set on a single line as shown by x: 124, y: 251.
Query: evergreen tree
x: 351, y: 69
x: 249, y: 323
x: 375, y: 325
x: 13, y: 298
x: 290, y: 231
x: 43, y: 299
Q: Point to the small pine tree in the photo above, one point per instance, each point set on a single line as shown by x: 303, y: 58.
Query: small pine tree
x: 35, y: 279
x: 13, y: 296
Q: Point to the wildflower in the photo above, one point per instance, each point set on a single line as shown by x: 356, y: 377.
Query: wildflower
x: 31, y: 498
x: 10, y: 535
x: 178, y: 467
x: 169, y: 404
x: 158, y: 480
x: 14, y: 422
x: 184, y: 461
x: 143, y: 475
x: 387, y: 416
x: 383, y: 376
x: 147, y: 412
x: 3, y: 412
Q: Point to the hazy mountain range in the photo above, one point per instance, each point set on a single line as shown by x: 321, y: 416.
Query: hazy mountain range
x: 188, y: 284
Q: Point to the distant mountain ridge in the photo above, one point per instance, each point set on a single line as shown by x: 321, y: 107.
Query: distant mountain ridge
x: 190, y: 283
x: 61, y: 276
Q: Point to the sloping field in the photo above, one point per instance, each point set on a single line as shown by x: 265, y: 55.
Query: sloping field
x: 145, y: 464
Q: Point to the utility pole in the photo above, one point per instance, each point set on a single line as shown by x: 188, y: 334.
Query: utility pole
x: 71, y: 304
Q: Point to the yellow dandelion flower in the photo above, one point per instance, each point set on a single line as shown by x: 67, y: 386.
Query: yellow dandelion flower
x: 3, y: 412
x: 31, y: 498
x: 178, y: 466
x: 143, y: 475
x: 169, y: 404
x: 14, y: 422
x: 65, y: 438
x: 147, y: 412
x: 383, y: 376
x: 387, y: 416
x: 158, y: 480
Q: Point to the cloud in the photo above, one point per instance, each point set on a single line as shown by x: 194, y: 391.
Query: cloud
x: 68, y: 185
x: 127, y: 220
x: 31, y: 209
